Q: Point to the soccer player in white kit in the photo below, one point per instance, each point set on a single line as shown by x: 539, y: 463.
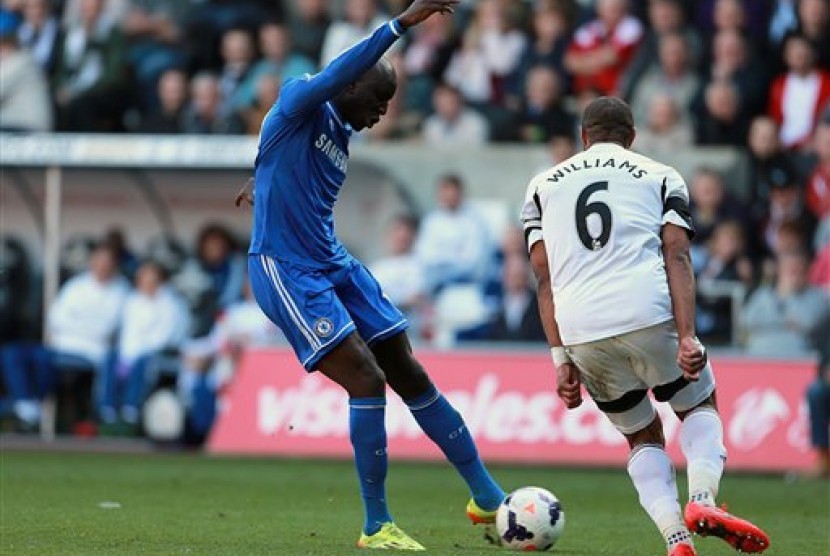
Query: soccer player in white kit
x: 608, y: 234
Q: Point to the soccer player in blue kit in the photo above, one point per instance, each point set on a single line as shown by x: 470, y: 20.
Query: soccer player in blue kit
x: 329, y: 306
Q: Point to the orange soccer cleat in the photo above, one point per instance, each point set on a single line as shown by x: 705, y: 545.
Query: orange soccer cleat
x: 683, y: 549
x: 739, y: 533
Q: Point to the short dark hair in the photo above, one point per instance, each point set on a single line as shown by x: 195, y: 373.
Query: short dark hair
x: 608, y: 119
x: 453, y: 180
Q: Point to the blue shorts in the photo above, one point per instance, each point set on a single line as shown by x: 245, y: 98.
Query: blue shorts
x: 317, y: 309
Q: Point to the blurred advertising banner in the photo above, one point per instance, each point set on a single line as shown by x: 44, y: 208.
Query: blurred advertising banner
x: 508, y: 401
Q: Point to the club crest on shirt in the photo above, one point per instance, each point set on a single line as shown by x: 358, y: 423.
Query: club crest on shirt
x: 323, y: 327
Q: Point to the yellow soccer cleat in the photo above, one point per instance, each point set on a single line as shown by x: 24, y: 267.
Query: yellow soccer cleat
x: 390, y: 537
x: 479, y: 516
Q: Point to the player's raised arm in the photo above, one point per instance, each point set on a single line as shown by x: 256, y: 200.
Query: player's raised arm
x: 301, y: 95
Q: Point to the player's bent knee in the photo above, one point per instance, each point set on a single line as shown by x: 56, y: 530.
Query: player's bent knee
x: 709, y: 403
x: 652, y: 434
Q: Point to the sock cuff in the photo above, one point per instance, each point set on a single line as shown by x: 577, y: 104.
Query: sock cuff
x: 367, y: 403
x: 703, y: 411
x: 643, y: 449
x: 424, y: 400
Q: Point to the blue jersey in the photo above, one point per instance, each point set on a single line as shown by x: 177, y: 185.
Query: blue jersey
x: 302, y: 161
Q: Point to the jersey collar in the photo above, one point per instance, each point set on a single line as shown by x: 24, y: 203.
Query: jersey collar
x: 336, y: 115
x: 606, y: 146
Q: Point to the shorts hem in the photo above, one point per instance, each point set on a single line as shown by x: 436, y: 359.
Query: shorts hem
x: 697, y: 401
x: 389, y: 332
x: 311, y: 361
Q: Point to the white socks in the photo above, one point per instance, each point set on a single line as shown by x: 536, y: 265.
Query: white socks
x: 653, y: 475
x: 701, y: 439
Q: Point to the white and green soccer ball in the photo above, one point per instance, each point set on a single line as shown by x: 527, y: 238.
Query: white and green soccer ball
x: 530, y: 519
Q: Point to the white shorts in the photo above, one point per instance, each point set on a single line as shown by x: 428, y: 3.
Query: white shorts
x: 619, y: 371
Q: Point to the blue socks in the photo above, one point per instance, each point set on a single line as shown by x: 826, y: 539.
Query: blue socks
x: 367, y: 431
x: 444, y: 425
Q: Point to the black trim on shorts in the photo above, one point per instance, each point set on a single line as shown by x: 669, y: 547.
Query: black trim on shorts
x: 628, y: 401
x: 665, y: 392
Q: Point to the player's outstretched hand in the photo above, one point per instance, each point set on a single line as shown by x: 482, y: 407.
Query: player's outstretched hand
x: 569, y: 385
x: 422, y: 9
x: 691, y: 357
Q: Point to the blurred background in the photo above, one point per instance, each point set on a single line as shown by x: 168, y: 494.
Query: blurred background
x: 128, y: 126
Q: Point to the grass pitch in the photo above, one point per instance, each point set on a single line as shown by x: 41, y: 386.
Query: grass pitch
x: 90, y: 504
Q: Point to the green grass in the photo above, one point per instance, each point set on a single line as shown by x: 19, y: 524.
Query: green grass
x: 186, y: 504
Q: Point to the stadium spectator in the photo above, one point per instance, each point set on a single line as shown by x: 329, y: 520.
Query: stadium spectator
x: 154, y: 319
x: 602, y: 49
x: 552, y: 23
x: 818, y: 400
x: 361, y: 18
x: 40, y: 33
x: 724, y: 259
x: 453, y: 243
x: 173, y: 96
x: 468, y: 69
x: 452, y: 123
x: 517, y: 320
x: 766, y: 159
x: 666, y: 131
x: 814, y: 24
x: 209, y: 363
x: 309, y: 21
x: 278, y: 61
x: 711, y: 204
x: 724, y: 120
x: 778, y: 319
x: 665, y: 18
x: 85, y: 316
x: 81, y: 326
x: 798, y: 98
x: 238, y: 54
x: 501, y: 42
x: 818, y: 184
x: 733, y: 61
x: 425, y: 59
x: 671, y: 76
x: 267, y: 92
x: 542, y: 114
x: 204, y: 113
x: 786, y: 211
x: 90, y: 82
x: 401, y: 274
x: 155, y: 30
x: 24, y: 93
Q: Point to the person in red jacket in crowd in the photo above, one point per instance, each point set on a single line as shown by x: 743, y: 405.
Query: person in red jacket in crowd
x: 798, y: 97
x: 603, y: 48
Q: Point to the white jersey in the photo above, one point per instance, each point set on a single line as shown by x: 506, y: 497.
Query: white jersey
x: 599, y: 214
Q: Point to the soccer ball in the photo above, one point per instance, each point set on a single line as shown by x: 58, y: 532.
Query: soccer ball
x: 529, y: 519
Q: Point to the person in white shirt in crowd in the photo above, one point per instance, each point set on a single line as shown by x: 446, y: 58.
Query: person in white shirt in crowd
x: 798, y: 97
x: 454, y: 244
x: 209, y: 363
x: 362, y: 17
x: 400, y: 273
x: 82, y: 322
x: 155, y: 319
x: 24, y: 93
x: 452, y: 123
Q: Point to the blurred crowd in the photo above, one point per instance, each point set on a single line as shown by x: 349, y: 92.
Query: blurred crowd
x: 747, y: 74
